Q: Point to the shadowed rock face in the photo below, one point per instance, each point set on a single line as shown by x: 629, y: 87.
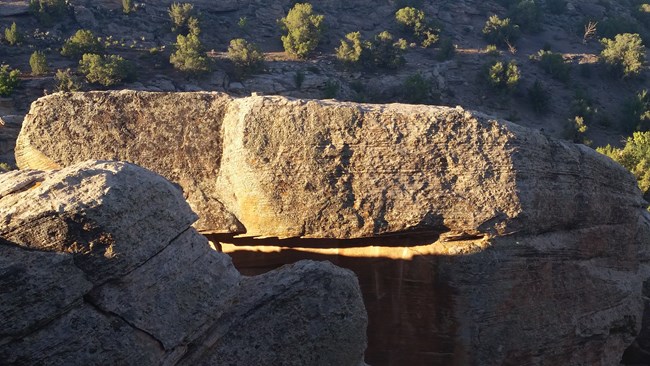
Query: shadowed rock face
x: 99, y: 264
x: 476, y: 241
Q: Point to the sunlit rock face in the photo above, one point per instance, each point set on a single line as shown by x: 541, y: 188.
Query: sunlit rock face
x: 476, y: 241
x: 100, y: 264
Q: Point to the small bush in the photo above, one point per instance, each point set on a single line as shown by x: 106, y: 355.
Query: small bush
x: 8, y: 80
x: 491, y: 50
x: 127, y: 6
x: 38, y: 63
x: 12, y: 35
x: 331, y: 89
x: 5, y: 167
x: 67, y: 81
x: 246, y: 56
x: 635, y: 157
x: 189, y: 56
x: 416, y: 89
x: 539, y: 97
x: 105, y: 70
x: 582, y: 106
x: 180, y: 14
x: 575, y: 130
x: 624, y: 55
x: 500, y: 31
x: 527, y: 15
x: 414, y: 20
x: 48, y: 11
x: 643, y: 14
x: 503, y: 76
x: 82, y: 42
x: 303, y: 30
x: 386, y: 53
x: 352, y: 49
x: 553, y: 63
x: 447, y: 50
x: 636, y: 112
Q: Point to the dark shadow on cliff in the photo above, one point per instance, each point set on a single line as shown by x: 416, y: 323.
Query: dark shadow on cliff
x: 409, y: 302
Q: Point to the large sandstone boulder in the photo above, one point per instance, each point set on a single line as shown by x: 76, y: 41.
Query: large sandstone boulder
x: 476, y: 241
x: 99, y: 264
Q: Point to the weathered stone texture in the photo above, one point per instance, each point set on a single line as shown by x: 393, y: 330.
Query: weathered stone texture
x: 99, y: 264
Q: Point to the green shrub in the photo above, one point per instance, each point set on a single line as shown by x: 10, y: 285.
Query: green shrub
x: 38, y: 63
x: 624, y: 55
x: 5, y: 167
x: 491, y: 50
x: 635, y: 157
x: 83, y: 41
x: 331, y: 89
x: 8, y: 80
x: 105, y: 70
x: 643, y: 14
x: 416, y: 89
x: 553, y: 63
x: 446, y: 51
x: 415, y: 21
x: 67, y: 81
x: 610, y: 27
x: 246, y: 56
x: 636, y: 112
x: 556, y: 6
x: 180, y: 14
x: 352, y: 50
x: 386, y: 53
x: 500, y: 31
x: 582, y: 106
x: 575, y: 130
x: 382, y: 52
x: 189, y: 56
x: 127, y: 6
x: 12, y: 35
x: 539, y: 97
x: 303, y: 28
x: 527, y: 15
x: 503, y: 76
x: 48, y: 11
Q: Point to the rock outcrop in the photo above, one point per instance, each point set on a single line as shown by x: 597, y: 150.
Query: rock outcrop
x: 99, y: 264
x: 476, y: 241
x: 9, y: 129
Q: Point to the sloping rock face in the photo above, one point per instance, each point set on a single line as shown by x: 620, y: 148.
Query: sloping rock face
x: 476, y: 242
x: 99, y: 264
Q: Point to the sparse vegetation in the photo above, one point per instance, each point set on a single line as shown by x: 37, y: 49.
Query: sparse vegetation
x: 82, y: 42
x: 624, y: 55
x: 12, y: 35
x: 127, y: 6
x: 527, y: 14
x: 352, y: 49
x: 635, y: 157
x: 246, y: 56
x: 382, y: 52
x: 189, y: 56
x: 67, y: 81
x: 575, y: 130
x: 446, y: 51
x: 500, y: 31
x: 38, y: 63
x: 48, y: 11
x: 416, y: 89
x: 303, y: 30
x: 331, y: 89
x: 180, y: 14
x: 104, y: 70
x: 539, y: 97
x: 553, y: 63
x: 415, y: 21
x: 503, y: 76
x: 583, y: 106
x: 636, y: 112
x: 8, y: 80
